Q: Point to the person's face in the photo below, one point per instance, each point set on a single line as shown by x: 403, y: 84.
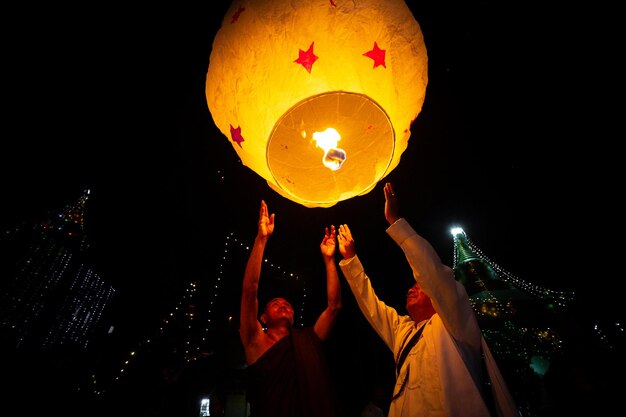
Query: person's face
x: 416, y: 297
x: 277, y: 309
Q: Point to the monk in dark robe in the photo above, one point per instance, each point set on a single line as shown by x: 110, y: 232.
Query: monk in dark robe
x: 287, y: 373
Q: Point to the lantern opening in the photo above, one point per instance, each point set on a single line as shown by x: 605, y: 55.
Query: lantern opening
x: 303, y: 152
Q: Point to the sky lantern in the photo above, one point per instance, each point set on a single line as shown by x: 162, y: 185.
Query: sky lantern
x: 318, y: 96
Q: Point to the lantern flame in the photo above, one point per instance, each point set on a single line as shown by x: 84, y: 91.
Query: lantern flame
x: 327, y: 140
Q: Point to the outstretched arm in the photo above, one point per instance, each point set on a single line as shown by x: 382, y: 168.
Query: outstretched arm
x: 435, y: 279
x: 383, y: 319
x: 250, y: 325
x: 325, y: 321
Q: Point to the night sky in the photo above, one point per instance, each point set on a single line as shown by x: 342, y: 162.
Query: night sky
x: 112, y: 100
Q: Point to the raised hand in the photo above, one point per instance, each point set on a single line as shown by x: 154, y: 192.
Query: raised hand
x: 329, y: 242
x: 266, y: 221
x: 392, y: 208
x: 347, y: 247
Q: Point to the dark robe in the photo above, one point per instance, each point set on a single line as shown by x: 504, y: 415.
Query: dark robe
x: 292, y: 379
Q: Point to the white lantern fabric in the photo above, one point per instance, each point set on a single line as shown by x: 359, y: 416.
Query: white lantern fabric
x: 283, y: 72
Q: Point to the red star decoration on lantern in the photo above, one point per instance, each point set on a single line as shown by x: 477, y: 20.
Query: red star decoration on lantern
x: 378, y: 55
x: 306, y: 59
x: 237, y: 14
x: 235, y: 135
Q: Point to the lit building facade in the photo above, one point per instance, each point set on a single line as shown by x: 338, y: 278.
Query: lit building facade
x: 50, y: 296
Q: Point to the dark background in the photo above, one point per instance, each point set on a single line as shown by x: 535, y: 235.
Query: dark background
x: 512, y: 144
x: 112, y: 99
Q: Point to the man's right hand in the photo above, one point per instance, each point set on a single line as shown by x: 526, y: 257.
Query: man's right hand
x: 392, y: 208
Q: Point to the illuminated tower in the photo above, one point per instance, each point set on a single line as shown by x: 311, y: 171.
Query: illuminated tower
x: 518, y: 319
x: 49, y: 295
x: 496, y: 293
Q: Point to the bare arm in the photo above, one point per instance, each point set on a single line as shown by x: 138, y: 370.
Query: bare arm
x: 250, y: 326
x: 325, y: 321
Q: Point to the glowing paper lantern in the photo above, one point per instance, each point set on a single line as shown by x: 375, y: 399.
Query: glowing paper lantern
x: 318, y: 96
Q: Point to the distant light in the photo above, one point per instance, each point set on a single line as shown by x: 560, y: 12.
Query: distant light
x: 204, y: 407
x: 539, y: 365
x: 457, y: 231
